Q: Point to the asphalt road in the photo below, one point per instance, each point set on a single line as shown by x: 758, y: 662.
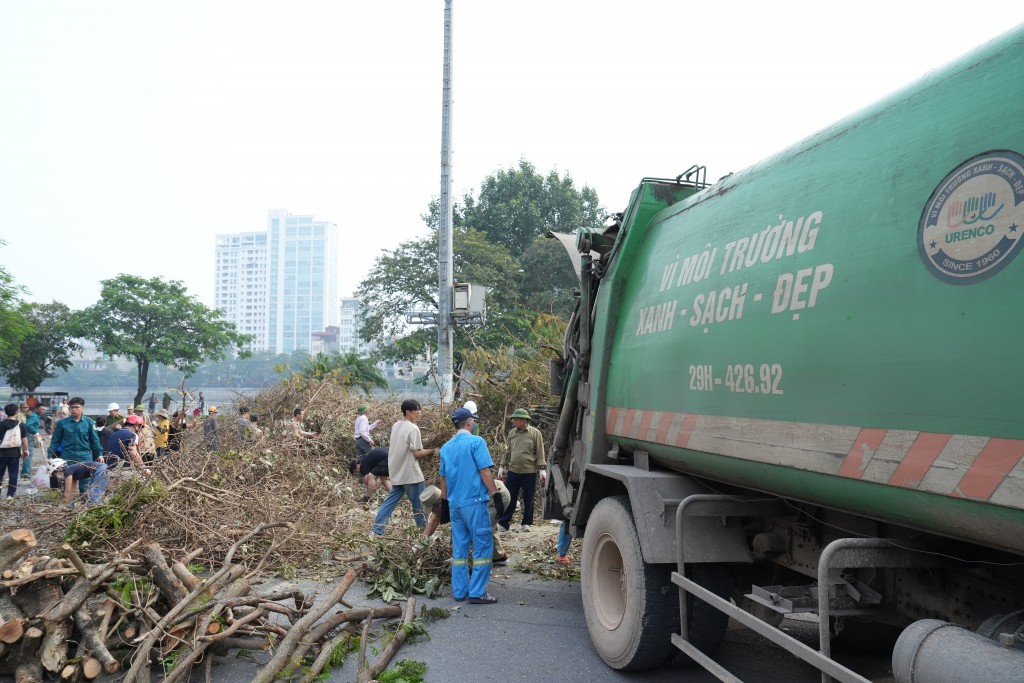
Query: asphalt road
x: 536, y: 632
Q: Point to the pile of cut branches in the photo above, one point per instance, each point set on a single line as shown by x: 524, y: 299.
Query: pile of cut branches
x: 142, y: 613
x: 198, y: 502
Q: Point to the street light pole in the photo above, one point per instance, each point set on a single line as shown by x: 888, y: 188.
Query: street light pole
x: 445, y: 332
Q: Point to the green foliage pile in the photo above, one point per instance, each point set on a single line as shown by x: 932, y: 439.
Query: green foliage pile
x: 102, y: 522
x: 406, y: 564
x: 405, y: 671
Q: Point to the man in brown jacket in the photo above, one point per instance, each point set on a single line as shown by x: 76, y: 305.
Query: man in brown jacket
x: 524, y: 461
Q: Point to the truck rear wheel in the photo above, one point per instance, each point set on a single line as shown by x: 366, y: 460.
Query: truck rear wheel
x: 628, y: 606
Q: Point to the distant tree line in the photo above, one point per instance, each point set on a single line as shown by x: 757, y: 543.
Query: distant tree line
x: 499, y: 243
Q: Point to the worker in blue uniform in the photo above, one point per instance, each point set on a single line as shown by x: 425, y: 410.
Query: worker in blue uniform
x: 467, y: 483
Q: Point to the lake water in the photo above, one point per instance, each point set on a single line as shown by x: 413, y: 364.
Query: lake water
x: 96, y: 400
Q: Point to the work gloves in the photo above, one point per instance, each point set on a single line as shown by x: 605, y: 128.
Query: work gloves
x: 499, y: 504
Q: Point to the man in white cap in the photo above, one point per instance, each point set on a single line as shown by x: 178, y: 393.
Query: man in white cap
x: 471, y: 407
x: 114, y: 417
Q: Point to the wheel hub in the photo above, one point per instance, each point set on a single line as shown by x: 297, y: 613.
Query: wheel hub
x: 609, y: 583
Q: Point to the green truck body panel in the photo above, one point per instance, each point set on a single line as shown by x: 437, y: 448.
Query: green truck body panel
x: 839, y: 323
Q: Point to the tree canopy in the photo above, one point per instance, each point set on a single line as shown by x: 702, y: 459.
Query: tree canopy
x: 405, y: 279
x: 46, y: 347
x: 348, y: 369
x: 156, y: 321
x: 518, y: 205
x: 499, y: 244
x: 13, y: 324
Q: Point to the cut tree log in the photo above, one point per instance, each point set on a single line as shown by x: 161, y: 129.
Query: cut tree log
x: 76, y: 561
x: 28, y: 669
x: 53, y: 652
x: 183, y: 665
x: 171, y: 587
x: 288, y: 644
x: 38, y: 596
x: 366, y: 674
x: 142, y: 656
x: 221, y: 647
x: 11, y: 631
x: 187, y: 578
x: 14, y: 545
x: 332, y: 622
x: 321, y: 660
x: 83, y: 588
x: 91, y: 668
x: 81, y: 591
x: 92, y: 638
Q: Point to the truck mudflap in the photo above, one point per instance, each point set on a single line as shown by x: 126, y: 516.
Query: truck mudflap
x: 654, y: 497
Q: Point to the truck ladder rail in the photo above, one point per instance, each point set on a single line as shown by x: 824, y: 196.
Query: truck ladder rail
x: 854, y: 553
x: 731, y: 506
x: 819, y: 661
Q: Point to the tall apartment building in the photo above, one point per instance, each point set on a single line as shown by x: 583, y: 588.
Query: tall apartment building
x: 240, y: 284
x: 280, y: 285
x: 348, y: 334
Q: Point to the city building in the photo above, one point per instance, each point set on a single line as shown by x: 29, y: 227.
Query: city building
x: 281, y: 286
x: 240, y: 284
x: 348, y: 335
x: 325, y: 342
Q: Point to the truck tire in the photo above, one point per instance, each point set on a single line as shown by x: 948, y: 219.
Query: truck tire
x: 630, y: 606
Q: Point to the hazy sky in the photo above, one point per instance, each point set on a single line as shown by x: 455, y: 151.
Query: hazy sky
x: 133, y: 132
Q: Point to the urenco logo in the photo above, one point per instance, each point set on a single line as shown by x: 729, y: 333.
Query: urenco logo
x: 971, y: 225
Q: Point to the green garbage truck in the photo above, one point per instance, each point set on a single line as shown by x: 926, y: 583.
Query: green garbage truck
x: 796, y: 389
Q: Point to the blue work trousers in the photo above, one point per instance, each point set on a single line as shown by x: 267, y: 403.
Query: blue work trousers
x: 564, y: 538
x: 97, y: 485
x: 391, y: 502
x: 527, y: 483
x: 471, y: 525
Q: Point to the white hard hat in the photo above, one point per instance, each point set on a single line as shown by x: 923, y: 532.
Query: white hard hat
x: 54, y: 465
x: 470, y: 406
x: 113, y: 406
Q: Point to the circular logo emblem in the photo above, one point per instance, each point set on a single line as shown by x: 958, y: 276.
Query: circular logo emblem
x: 971, y: 225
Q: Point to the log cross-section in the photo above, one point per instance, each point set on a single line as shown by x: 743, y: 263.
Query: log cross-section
x: 14, y: 545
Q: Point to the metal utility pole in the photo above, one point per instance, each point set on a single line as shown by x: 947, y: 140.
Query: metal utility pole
x: 445, y: 325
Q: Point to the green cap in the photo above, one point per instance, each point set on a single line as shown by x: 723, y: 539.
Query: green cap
x: 520, y: 412
x: 362, y: 408
x: 140, y: 407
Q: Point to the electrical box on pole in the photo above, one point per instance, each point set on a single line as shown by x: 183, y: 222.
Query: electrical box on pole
x: 468, y: 303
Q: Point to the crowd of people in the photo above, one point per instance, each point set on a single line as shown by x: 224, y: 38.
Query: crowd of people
x: 66, y: 447
x: 475, y: 503
x: 467, y: 497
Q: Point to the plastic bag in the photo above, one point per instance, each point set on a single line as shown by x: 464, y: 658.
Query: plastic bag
x: 40, y: 479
